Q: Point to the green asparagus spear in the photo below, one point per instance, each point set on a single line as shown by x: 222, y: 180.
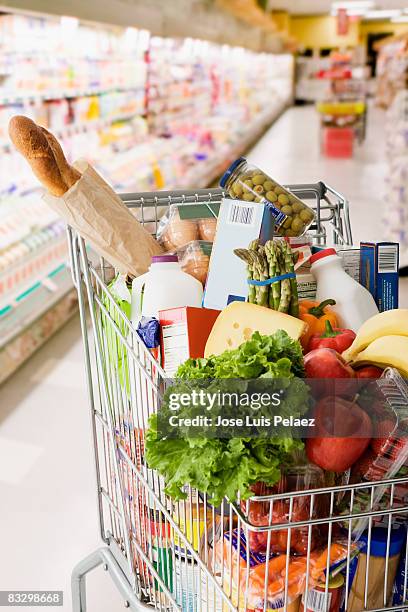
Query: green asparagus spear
x: 285, y: 284
x: 246, y: 256
x: 263, y: 290
x: 294, y: 300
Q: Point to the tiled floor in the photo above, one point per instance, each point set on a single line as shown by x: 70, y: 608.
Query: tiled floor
x: 48, y: 506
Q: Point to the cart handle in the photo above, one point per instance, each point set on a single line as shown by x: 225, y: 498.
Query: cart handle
x: 303, y: 190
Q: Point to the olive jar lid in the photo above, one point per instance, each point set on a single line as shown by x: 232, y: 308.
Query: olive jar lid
x: 227, y: 173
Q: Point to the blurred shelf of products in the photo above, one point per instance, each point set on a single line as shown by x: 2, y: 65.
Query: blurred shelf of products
x: 148, y: 112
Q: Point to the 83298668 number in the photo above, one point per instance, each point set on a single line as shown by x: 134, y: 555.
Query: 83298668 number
x: 31, y: 598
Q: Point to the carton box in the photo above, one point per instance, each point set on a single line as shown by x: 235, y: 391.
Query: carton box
x: 379, y: 263
x: 184, y: 332
x: 239, y: 223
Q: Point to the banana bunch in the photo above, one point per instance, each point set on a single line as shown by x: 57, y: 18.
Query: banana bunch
x: 382, y: 341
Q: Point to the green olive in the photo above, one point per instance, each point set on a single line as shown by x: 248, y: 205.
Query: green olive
x: 283, y: 199
x: 290, y: 233
x: 278, y: 190
x: 259, y: 179
x: 268, y: 185
x: 287, y: 209
x: 248, y: 197
x: 237, y: 188
x: 297, y: 225
x: 259, y: 189
x: 248, y: 183
x: 259, y: 198
x: 271, y: 195
x: 306, y: 215
x: 297, y: 206
x: 288, y: 223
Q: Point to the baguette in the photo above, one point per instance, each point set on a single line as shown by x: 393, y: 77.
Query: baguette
x: 44, y: 154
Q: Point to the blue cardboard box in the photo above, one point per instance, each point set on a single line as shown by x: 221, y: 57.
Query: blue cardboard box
x: 379, y: 263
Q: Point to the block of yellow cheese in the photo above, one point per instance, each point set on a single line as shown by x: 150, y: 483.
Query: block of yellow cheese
x: 239, y: 320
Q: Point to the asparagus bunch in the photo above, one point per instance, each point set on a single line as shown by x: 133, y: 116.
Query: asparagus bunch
x: 273, y: 259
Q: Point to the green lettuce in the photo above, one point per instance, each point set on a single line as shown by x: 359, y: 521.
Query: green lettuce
x: 227, y: 467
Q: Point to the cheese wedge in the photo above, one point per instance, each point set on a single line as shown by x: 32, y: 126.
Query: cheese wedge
x: 239, y: 320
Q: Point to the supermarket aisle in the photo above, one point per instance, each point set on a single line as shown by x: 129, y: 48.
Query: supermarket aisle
x: 48, y: 514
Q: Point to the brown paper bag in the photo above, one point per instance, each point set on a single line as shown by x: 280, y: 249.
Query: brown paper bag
x: 94, y: 210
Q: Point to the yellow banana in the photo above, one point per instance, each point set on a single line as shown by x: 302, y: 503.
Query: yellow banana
x: 386, y: 351
x: 388, y: 323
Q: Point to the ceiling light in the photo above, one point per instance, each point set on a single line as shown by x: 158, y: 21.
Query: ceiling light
x: 384, y: 14
x: 69, y: 24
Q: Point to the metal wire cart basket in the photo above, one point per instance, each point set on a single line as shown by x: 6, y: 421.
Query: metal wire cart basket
x: 188, y: 555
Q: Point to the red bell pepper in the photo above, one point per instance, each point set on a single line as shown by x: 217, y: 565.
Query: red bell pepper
x: 333, y: 338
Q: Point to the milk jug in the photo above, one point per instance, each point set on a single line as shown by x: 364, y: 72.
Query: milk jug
x: 165, y: 285
x: 354, y: 303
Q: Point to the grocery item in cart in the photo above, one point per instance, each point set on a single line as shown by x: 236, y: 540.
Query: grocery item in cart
x: 379, y: 263
x: 379, y: 556
x: 246, y: 182
x: 248, y: 580
x: 194, y: 258
x: 267, y: 512
x: 385, y: 324
x: 184, y: 223
x: 184, y: 333
x: 354, y: 303
x: 239, y: 320
x: 239, y: 224
x: 85, y: 201
x: 388, y: 457
x: 165, y: 285
x: 399, y: 589
x: 319, y: 601
x: 271, y: 275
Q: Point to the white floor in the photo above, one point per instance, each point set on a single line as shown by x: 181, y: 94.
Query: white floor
x: 47, y: 491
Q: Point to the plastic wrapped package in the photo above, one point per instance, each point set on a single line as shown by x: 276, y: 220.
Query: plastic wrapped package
x: 246, y: 182
x: 248, y: 577
x: 263, y: 513
x: 194, y: 258
x: 184, y: 223
x: 387, y: 457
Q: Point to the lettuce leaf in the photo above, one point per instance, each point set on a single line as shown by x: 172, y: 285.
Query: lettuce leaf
x: 223, y: 467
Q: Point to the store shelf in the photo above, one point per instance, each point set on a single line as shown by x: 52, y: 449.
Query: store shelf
x: 35, y: 96
x: 82, y: 128
x: 33, y: 303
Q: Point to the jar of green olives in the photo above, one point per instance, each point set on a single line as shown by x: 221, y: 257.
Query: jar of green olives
x: 243, y: 181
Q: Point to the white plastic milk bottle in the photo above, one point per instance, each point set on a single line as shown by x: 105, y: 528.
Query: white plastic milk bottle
x: 354, y: 303
x: 165, y: 285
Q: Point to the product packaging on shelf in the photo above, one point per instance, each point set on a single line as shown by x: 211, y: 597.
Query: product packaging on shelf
x: 184, y: 223
x: 194, y: 258
x: 184, y: 333
x: 247, y: 182
x: 239, y: 223
x: 379, y: 264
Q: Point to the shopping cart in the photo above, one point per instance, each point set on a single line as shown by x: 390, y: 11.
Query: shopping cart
x: 184, y: 555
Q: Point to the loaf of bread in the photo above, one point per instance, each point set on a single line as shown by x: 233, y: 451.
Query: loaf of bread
x: 44, y: 154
